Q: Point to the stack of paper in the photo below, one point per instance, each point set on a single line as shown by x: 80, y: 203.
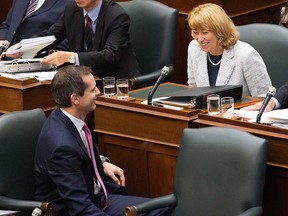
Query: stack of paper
x: 30, y: 47
x: 277, y: 118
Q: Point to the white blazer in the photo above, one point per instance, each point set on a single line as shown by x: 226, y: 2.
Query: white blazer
x: 240, y: 65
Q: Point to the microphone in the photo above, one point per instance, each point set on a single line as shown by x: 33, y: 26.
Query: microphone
x: 4, y: 46
x: 163, y: 75
x: 271, y: 92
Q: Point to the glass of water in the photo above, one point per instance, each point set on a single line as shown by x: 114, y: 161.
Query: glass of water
x: 122, y: 86
x: 213, y: 104
x: 109, y: 86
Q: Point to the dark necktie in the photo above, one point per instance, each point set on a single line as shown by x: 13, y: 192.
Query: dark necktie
x: 89, y: 35
x: 31, y: 7
x: 92, y: 155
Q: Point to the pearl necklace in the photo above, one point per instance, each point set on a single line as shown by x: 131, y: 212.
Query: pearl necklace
x: 215, y: 64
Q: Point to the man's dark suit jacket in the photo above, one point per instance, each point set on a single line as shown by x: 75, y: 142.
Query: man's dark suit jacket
x: 16, y: 28
x: 112, y: 53
x: 63, y: 170
x: 282, y: 95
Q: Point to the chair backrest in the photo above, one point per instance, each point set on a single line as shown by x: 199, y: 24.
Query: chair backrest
x: 271, y: 41
x: 220, y: 171
x: 152, y: 32
x: 19, y: 133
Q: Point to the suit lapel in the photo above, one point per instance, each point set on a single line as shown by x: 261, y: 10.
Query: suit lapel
x: 45, y: 7
x: 226, y: 67
x: 201, y: 76
x: 100, y: 24
x: 72, y: 128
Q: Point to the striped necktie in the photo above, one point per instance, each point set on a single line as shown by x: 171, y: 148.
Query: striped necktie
x: 92, y: 155
x: 89, y: 35
x: 31, y: 7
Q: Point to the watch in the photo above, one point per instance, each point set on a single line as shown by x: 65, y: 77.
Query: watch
x: 104, y: 159
x: 72, y: 58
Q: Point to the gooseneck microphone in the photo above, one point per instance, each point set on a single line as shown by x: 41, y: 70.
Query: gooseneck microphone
x: 163, y: 75
x: 271, y: 92
x: 4, y: 46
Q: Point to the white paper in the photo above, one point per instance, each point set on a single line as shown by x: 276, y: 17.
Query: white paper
x: 31, y: 46
x: 154, y: 101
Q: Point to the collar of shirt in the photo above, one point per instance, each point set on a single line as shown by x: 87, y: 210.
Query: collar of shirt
x: 77, y: 122
x: 39, y: 4
x: 93, y: 14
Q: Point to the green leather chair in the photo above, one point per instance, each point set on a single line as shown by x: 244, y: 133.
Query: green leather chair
x: 19, y: 133
x: 219, y: 172
x: 271, y: 41
x: 153, y: 33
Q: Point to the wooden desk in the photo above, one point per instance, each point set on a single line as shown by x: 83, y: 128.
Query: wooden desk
x: 142, y: 139
x: 276, y: 183
x: 23, y: 94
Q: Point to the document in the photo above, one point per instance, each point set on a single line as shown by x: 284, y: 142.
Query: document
x: 30, y: 47
x: 24, y: 65
x: 8, y: 212
x: 278, y: 118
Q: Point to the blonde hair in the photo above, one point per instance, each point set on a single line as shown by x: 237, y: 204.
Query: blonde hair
x: 212, y: 17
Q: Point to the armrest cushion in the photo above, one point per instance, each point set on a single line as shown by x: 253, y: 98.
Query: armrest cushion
x: 149, y: 79
x: 23, y: 205
x: 254, y: 211
x: 156, y: 203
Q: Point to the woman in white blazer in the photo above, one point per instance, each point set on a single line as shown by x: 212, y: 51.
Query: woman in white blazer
x: 217, y: 57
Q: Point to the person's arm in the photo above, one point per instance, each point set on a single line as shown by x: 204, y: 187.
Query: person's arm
x: 282, y: 95
x: 190, y: 72
x: 115, y: 173
x: 271, y: 105
x: 66, y: 171
x: 255, y: 73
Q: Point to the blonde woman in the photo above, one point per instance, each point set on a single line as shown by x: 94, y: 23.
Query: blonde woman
x: 216, y: 56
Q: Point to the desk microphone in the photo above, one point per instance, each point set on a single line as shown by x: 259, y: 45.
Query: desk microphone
x: 163, y: 75
x: 4, y: 46
x: 271, y: 92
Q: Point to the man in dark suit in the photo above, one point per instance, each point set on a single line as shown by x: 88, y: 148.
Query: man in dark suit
x: 64, y: 172
x: 111, y: 54
x: 280, y: 100
x: 17, y: 26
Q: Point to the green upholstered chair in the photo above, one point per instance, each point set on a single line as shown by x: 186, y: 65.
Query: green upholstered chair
x: 271, y: 41
x: 19, y: 133
x: 153, y: 33
x: 219, y: 172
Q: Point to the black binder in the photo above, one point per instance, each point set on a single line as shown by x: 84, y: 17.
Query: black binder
x: 198, y: 96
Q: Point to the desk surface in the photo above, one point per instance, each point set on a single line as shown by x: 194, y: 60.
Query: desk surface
x: 144, y: 141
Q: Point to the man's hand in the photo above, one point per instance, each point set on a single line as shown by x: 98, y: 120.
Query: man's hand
x: 114, y: 172
x: 57, y: 58
x: 258, y: 105
x: 15, y: 55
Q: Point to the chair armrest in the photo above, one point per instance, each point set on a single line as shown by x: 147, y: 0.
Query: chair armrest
x: 149, y: 79
x: 254, y: 211
x: 24, y: 205
x: 156, y: 203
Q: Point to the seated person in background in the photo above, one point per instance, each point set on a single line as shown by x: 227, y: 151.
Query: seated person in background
x: 64, y: 171
x: 280, y: 100
x: 100, y: 41
x: 217, y: 57
x: 25, y: 20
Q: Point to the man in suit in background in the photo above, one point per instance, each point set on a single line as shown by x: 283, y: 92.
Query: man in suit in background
x: 19, y: 25
x: 280, y: 100
x: 64, y: 171
x: 108, y: 50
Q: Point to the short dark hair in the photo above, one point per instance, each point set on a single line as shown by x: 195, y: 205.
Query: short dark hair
x: 68, y: 80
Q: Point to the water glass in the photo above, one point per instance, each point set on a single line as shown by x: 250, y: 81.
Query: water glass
x: 122, y: 86
x: 227, y: 107
x: 213, y: 104
x: 109, y: 86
